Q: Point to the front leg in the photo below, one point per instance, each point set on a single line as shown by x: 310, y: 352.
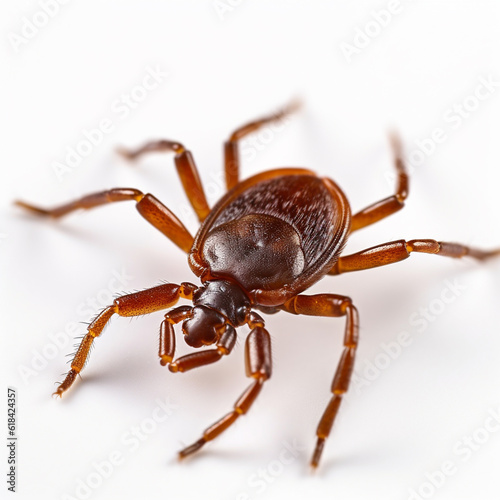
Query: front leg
x: 224, y: 347
x: 258, y: 367
x: 134, y: 304
x: 335, y: 306
x: 166, y: 350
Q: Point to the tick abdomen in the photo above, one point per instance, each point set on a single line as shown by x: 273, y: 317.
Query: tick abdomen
x: 271, y: 232
x: 257, y: 250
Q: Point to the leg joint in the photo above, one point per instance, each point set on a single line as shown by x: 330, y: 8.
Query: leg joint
x: 346, y: 304
x: 423, y: 246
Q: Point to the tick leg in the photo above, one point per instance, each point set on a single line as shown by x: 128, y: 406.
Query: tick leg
x: 134, y: 304
x: 377, y: 211
x: 166, y: 349
x: 335, y: 306
x: 395, y: 251
x: 148, y: 206
x: 189, y: 361
x: 258, y: 366
x: 186, y: 168
x: 231, y: 154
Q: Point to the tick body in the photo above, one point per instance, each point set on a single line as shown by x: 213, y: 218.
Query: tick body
x: 267, y: 240
x: 275, y: 234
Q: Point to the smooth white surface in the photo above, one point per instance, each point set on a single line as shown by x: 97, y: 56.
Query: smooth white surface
x: 390, y: 433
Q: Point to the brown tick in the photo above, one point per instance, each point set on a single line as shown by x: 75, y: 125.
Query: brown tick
x: 267, y: 240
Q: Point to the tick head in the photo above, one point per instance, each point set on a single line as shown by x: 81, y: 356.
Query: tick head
x: 204, y: 327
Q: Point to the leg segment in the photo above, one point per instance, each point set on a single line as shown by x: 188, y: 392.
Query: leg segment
x: 186, y: 168
x: 335, y: 306
x: 148, y: 206
x: 189, y: 361
x: 395, y: 251
x: 166, y: 349
x: 388, y: 206
x: 258, y: 366
x: 134, y: 304
x: 231, y: 156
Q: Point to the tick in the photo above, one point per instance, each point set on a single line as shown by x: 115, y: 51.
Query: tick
x: 263, y: 244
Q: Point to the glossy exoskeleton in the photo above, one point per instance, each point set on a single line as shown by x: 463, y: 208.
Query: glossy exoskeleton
x: 266, y: 241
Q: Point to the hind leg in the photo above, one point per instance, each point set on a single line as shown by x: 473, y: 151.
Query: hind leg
x: 231, y: 155
x: 186, y: 168
x: 388, y: 206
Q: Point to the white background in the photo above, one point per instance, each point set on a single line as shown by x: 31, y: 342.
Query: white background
x: 225, y: 67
